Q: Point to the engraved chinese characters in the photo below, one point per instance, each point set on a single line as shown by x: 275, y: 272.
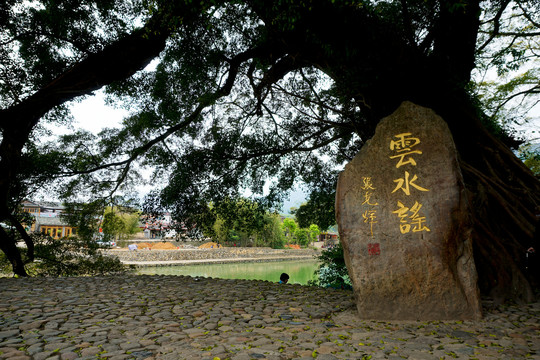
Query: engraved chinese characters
x: 370, y: 215
x: 409, y: 216
x: 403, y: 223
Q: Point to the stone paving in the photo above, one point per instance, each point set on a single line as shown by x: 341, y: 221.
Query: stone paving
x: 176, y: 317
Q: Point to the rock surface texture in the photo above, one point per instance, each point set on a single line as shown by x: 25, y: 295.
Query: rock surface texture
x: 402, y: 213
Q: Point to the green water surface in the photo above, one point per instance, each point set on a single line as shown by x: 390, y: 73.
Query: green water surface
x: 300, y: 272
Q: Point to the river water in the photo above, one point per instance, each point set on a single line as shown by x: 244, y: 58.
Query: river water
x: 300, y: 272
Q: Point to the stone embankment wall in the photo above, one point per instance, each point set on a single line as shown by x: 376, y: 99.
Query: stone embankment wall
x: 207, y: 254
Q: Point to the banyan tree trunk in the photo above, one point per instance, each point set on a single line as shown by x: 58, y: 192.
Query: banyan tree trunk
x: 505, y: 195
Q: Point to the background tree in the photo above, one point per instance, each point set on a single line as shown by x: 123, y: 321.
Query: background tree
x: 119, y: 224
x: 220, y: 232
x: 84, y: 217
x: 111, y: 226
x: 289, y: 228
x: 319, y: 210
x: 237, y: 220
x: 272, y: 234
x: 240, y: 219
x: 301, y: 236
x: 252, y: 93
x: 314, y: 232
x: 130, y: 225
x: 530, y: 154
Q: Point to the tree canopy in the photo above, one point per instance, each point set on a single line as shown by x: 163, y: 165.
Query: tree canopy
x: 246, y: 94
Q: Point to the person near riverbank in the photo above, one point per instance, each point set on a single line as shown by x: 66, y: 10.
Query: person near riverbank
x: 284, y: 278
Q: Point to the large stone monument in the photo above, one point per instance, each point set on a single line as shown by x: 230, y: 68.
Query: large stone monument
x: 401, y: 208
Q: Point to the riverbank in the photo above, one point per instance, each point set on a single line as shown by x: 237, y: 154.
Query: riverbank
x: 300, y: 271
x: 209, y: 256
x: 175, y: 317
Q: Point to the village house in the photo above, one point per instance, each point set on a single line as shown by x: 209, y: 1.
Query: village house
x: 47, y: 219
x: 329, y: 238
x: 155, y: 228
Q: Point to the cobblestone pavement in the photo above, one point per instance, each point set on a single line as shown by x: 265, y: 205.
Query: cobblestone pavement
x: 176, y: 317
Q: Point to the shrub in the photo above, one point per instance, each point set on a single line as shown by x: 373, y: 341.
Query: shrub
x: 68, y: 257
x: 332, y: 272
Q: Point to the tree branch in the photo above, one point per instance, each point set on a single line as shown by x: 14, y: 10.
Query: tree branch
x: 205, y: 101
x: 527, y: 16
x: 407, y: 22
x: 534, y: 90
x: 496, y: 27
x: 297, y: 147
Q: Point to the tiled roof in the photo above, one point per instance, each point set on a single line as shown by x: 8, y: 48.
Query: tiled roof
x: 44, y: 204
x: 49, y: 221
x: 28, y: 203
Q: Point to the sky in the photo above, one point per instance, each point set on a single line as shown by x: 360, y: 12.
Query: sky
x: 94, y: 114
